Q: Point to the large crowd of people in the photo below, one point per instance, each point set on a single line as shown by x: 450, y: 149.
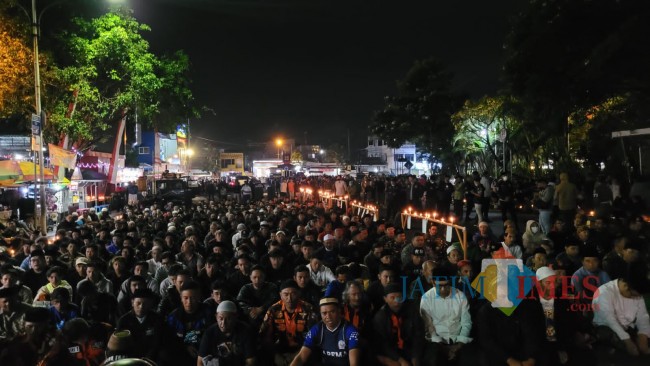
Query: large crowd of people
x: 283, y: 279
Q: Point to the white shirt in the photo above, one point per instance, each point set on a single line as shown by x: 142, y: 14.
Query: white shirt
x: 447, y: 318
x: 153, y: 266
x: 618, y: 313
x: 547, y: 305
x: 549, y: 314
x: 340, y: 187
x: 235, y: 238
x: 246, y: 189
x: 485, y: 181
x: 323, y: 277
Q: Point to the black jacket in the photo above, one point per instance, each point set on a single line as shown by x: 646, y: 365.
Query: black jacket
x: 567, y: 322
x: 311, y: 294
x: 412, y: 332
x: 520, y: 335
x: 149, y: 334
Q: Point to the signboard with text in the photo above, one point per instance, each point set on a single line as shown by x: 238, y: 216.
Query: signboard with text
x: 36, y: 125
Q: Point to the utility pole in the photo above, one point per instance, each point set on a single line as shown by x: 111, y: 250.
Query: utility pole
x: 39, y: 112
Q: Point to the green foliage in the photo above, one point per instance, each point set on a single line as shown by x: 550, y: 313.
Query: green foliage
x: 16, y: 68
x: 113, y: 72
x: 334, y: 153
x: 478, y: 126
x: 17, y: 101
x: 207, y: 161
x: 566, y: 57
x: 421, y: 111
x: 591, y: 130
x: 296, y: 156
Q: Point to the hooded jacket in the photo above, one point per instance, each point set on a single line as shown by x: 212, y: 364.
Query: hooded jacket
x: 530, y: 240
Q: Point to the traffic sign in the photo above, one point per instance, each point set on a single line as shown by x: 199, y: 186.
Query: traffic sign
x: 408, y: 165
x: 36, y: 124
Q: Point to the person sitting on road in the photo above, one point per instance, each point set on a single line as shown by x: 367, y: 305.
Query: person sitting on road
x: 228, y: 342
x: 621, y: 317
x: 336, y: 339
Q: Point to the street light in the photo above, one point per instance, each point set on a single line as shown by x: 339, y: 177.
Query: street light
x: 278, y: 142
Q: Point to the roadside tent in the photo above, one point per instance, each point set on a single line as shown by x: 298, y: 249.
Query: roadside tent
x: 9, y: 172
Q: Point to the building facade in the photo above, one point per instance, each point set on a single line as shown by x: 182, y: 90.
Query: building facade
x: 230, y: 163
x: 393, y: 161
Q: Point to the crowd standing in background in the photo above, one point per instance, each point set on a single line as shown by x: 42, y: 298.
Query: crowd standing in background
x: 267, y: 275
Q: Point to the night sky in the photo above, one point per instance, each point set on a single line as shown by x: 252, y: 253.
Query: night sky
x: 285, y: 67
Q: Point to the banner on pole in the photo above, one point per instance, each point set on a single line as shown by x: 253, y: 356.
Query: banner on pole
x: 62, y: 157
x: 36, y: 125
x: 36, y: 143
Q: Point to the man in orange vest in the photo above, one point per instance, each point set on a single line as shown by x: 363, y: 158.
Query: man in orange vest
x: 286, y: 323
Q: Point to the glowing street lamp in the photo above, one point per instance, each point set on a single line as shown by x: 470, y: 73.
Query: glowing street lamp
x: 278, y: 143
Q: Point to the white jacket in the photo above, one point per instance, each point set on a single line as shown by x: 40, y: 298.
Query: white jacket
x: 617, y: 313
x: 323, y: 277
x: 446, y: 318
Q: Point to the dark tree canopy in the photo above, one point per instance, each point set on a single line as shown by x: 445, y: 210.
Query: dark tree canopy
x: 567, y: 57
x: 102, y: 66
x: 421, y: 111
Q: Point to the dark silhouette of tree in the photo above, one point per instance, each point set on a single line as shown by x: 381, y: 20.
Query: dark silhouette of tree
x: 421, y: 112
x: 578, y: 68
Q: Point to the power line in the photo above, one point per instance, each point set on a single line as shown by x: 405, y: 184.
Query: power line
x: 217, y: 141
